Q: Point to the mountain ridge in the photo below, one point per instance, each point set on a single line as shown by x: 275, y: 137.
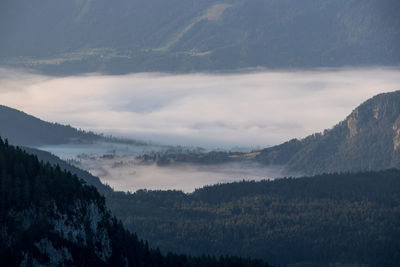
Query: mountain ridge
x: 186, y: 36
x: 14, y: 124
x: 368, y: 139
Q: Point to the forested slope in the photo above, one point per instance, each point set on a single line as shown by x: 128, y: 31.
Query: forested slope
x: 311, y: 221
x: 187, y: 35
x: 49, y: 217
x: 15, y: 126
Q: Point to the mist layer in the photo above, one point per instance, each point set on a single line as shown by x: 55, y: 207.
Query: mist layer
x: 221, y: 110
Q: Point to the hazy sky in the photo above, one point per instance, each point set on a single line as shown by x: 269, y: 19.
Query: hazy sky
x: 225, y: 110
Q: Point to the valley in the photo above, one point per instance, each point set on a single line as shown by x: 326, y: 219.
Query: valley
x: 213, y: 133
x: 257, y: 216
x: 252, y: 203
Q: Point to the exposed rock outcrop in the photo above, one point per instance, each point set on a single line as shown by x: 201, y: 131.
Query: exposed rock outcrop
x: 368, y: 139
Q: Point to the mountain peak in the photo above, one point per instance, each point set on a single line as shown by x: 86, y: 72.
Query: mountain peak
x: 368, y: 139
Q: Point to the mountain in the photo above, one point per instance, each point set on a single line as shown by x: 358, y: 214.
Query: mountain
x: 341, y: 219
x: 186, y: 35
x: 49, y: 218
x: 308, y: 221
x: 368, y: 139
x: 15, y: 124
x: 63, y: 165
x: 349, y: 219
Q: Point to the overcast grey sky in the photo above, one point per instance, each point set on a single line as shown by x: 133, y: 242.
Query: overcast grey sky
x: 224, y: 110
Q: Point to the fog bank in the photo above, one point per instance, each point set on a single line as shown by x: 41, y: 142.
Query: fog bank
x: 221, y: 110
x: 126, y: 174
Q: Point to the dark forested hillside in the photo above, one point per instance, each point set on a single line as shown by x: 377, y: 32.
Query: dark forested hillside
x: 123, y: 36
x: 26, y: 130
x: 54, y: 161
x: 326, y: 220
x: 368, y: 139
x: 15, y: 124
x: 48, y: 217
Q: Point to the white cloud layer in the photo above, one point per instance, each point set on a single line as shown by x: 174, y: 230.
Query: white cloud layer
x: 223, y: 110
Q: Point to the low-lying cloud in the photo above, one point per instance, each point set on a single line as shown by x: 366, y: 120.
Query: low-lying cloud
x: 125, y: 174
x: 220, y: 110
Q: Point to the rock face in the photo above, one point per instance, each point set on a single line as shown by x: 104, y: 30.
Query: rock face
x: 368, y: 139
x: 48, y: 217
x: 352, y: 124
x: 82, y: 225
x: 396, y: 138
